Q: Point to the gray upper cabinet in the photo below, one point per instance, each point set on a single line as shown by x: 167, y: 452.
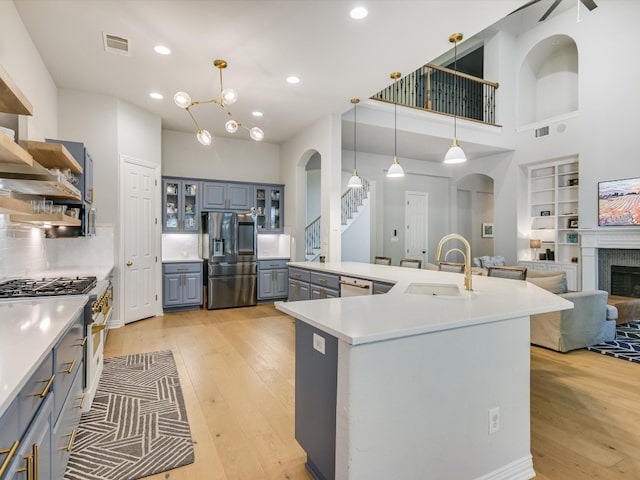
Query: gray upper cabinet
x: 227, y: 196
x: 181, y: 212
x: 81, y: 155
x: 269, y: 203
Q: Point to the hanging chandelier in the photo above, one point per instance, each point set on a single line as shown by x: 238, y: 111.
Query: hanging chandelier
x: 355, y: 181
x: 228, y: 96
x: 395, y: 170
x: 455, y: 154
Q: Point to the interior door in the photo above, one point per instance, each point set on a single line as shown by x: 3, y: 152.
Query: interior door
x: 416, y: 228
x: 139, y: 240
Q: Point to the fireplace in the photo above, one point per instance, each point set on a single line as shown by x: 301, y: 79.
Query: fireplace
x: 625, y: 281
x: 604, y: 248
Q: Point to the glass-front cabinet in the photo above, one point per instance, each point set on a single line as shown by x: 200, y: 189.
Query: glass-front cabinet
x: 181, y: 207
x: 269, y: 208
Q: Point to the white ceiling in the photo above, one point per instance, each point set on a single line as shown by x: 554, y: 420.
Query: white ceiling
x: 263, y: 41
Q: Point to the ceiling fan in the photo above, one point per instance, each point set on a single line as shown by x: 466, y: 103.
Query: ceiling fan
x: 590, y: 4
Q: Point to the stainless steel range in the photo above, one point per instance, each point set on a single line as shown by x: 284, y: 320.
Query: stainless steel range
x: 97, y: 313
x: 45, y: 287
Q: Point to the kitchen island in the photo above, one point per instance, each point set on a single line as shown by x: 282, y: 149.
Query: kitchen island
x: 416, y: 385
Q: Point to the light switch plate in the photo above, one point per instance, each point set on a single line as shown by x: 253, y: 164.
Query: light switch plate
x: 318, y: 343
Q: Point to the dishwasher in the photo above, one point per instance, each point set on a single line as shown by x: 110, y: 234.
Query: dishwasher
x: 352, y: 287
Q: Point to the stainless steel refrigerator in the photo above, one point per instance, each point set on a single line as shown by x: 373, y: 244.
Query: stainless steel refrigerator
x: 232, y: 263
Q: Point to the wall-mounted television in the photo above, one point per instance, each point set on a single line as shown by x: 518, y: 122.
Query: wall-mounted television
x: 619, y: 202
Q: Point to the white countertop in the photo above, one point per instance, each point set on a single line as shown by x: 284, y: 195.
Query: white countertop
x: 371, y: 318
x: 182, y: 260
x: 28, y: 331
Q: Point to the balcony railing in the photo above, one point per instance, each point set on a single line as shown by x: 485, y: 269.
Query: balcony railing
x: 434, y: 88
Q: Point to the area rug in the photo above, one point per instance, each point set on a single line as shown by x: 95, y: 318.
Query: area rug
x: 137, y: 425
x: 626, y: 344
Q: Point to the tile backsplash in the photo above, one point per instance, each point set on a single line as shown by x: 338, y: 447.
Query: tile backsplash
x: 24, y: 250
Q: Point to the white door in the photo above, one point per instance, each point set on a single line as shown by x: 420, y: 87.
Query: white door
x: 416, y: 228
x: 139, y: 240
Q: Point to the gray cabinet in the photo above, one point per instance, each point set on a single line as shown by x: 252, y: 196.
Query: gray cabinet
x: 80, y: 153
x: 272, y: 279
x: 269, y: 204
x: 226, y: 196
x: 299, y: 288
x: 316, y: 397
x: 306, y: 285
x: 324, y: 285
x: 35, y: 452
x: 50, y: 396
x: 181, y: 206
x: 381, y: 287
x: 182, y: 285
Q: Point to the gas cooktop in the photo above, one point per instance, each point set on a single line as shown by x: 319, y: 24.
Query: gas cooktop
x: 44, y: 287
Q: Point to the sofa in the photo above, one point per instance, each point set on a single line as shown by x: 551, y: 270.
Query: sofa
x: 590, y: 322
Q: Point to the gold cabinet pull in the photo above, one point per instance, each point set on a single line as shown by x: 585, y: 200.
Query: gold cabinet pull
x: 97, y: 328
x: 82, y: 343
x: 82, y: 399
x: 35, y: 461
x: 47, y: 387
x: 129, y: 263
x: 71, y: 365
x: 28, y: 467
x: 72, y: 437
x: 9, y: 452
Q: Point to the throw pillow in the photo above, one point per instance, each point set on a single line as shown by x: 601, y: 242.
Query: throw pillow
x: 554, y: 283
x: 496, y: 261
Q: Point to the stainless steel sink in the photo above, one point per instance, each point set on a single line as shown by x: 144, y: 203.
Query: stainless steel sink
x: 434, y: 289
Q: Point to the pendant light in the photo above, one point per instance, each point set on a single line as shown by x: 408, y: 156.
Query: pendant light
x: 395, y: 170
x: 355, y: 181
x: 455, y: 154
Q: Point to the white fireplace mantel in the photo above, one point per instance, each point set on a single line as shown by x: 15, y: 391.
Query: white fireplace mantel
x: 606, y: 237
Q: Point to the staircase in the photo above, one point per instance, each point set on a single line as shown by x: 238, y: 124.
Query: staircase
x: 351, y: 201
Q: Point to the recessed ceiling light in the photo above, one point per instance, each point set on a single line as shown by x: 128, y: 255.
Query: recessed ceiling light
x: 292, y: 79
x: 156, y: 95
x: 358, y: 13
x: 162, y: 50
x: 256, y: 114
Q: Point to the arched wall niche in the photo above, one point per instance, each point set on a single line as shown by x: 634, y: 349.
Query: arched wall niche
x: 548, y: 80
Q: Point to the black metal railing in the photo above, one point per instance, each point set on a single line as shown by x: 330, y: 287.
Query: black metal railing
x: 435, y: 88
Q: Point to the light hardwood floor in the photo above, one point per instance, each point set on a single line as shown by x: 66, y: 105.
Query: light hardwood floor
x: 236, y: 368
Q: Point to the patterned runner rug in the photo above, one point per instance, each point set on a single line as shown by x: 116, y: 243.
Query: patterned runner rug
x: 625, y: 346
x: 137, y: 425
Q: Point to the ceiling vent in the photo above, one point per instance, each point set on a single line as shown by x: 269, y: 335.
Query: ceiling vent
x: 115, y: 44
x: 542, y: 131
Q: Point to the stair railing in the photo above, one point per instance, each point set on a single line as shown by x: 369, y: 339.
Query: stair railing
x: 350, y: 201
x: 433, y: 88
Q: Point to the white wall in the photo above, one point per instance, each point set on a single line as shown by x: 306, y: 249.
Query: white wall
x: 314, y: 195
x: 324, y: 138
x: 226, y: 159
x: 355, y: 239
x: 20, y: 59
x: 22, y: 249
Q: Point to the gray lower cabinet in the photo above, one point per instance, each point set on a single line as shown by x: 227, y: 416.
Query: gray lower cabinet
x: 311, y: 285
x: 324, y: 285
x: 299, y: 288
x: 50, y: 399
x: 316, y: 396
x: 272, y: 279
x: 381, y: 287
x: 182, y: 285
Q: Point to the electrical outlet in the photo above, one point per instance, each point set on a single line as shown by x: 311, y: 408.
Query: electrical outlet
x: 318, y: 343
x: 494, y: 420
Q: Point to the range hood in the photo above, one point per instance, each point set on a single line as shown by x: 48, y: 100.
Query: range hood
x: 36, y: 180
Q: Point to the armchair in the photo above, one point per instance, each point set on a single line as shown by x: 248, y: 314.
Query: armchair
x: 590, y: 322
